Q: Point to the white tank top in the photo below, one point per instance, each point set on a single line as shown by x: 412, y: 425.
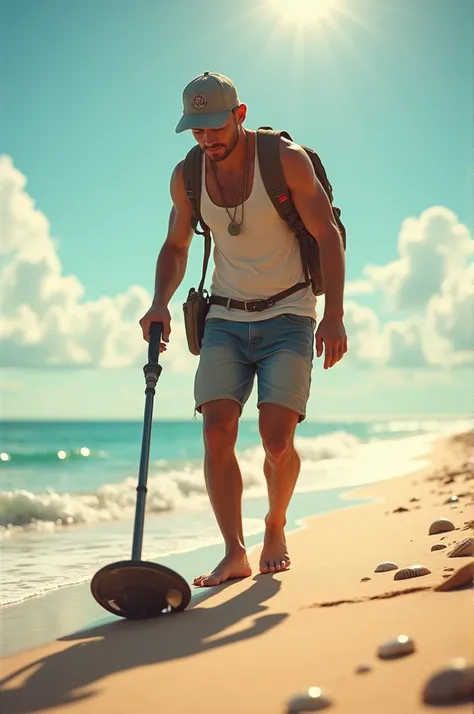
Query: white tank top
x: 262, y: 260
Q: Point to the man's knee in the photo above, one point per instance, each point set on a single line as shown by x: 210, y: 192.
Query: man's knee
x: 277, y: 447
x: 277, y: 428
x: 220, y: 425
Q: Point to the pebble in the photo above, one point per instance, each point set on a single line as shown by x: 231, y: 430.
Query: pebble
x: 398, y: 647
x: 442, y: 525
x: 313, y: 700
x: 453, y: 684
x: 385, y: 566
x: 363, y: 669
x: 452, y: 499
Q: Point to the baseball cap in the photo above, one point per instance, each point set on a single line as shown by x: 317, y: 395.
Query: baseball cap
x: 207, y: 102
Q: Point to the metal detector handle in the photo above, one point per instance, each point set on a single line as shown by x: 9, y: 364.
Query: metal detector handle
x: 152, y: 371
x: 156, y: 330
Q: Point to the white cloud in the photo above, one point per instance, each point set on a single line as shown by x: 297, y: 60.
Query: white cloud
x: 431, y: 247
x: 353, y: 288
x: 432, y: 285
x: 45, y: 321
x: 404, y: 344
x: 365, y: 340
x: 450, y: 313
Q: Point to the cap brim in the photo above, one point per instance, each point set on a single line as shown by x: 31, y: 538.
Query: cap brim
x: 202, y: 121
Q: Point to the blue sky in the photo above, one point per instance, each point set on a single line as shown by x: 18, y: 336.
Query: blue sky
x: 383, y: 91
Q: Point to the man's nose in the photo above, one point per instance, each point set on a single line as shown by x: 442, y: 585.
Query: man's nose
x: 209, y: 137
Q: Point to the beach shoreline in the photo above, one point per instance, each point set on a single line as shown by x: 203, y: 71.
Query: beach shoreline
x: 37, y: 545
x: 321, y: 611
x: 39, y: 610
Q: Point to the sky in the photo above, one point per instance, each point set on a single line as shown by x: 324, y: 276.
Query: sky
x: 384, y: 92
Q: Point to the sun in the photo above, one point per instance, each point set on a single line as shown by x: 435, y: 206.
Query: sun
x: 303, y: 12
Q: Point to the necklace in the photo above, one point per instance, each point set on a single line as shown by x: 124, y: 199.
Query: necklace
x: 234, y: 228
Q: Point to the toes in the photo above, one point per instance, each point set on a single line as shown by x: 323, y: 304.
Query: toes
x: 210, y: 580
x: 198, y: 580
x: 274, y: 566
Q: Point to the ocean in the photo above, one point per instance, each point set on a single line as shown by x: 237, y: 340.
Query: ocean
x: 67, y: 489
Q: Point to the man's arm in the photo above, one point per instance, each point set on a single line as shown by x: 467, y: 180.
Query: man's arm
x: 173, y: 256
x: 312, y: 204
x: 172, y: 259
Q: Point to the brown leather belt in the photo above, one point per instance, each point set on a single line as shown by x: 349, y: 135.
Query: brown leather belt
x: 254, y: 305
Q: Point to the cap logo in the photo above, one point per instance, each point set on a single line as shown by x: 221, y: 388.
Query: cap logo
x: 198, y: 102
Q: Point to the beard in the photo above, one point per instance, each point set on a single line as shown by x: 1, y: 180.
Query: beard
x: 224, y: 150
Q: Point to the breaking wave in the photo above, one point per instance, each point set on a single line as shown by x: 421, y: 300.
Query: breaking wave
x: 168, y: 489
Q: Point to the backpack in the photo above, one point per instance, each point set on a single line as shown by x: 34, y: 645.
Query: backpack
x: 271, y: 171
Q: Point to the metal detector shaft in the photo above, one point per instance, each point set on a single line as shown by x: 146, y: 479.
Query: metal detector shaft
x: 152, y: 371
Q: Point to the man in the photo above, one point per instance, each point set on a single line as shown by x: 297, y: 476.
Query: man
x: 256, y: 256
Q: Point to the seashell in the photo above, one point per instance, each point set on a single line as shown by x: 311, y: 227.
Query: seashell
x: 438, y: 546
x: 460, y: 578
x: 413, y: 571
x: 385, y: 566
x: 401, y: 509
x: 398, y: 647
x: 442, y: 525
x: 364, y: 580
x: 313, y: 700
x: 452, y: 499
x: 453, y: 684
x: 465, y: 547
x: 363, y: 669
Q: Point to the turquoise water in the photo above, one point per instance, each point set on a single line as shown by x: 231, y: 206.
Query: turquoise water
x: 114, y: 449
x: 67, y: 489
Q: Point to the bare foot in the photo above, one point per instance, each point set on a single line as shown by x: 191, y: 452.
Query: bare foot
x: 274, y: 557
x: 233, y: 565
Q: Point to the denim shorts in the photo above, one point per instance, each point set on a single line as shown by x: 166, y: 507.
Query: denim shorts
x: 278, y: 350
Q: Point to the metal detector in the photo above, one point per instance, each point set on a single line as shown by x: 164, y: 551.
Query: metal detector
x: 137, y: 589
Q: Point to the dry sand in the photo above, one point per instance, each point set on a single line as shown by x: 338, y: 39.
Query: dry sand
x: 252, y: 644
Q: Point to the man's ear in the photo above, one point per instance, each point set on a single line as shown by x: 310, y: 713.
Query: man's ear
x: 240, y: 113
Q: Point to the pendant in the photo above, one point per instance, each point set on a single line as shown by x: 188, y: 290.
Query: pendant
x: 233, y: 229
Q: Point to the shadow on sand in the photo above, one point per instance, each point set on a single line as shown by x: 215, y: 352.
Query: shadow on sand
x: 57, y: 679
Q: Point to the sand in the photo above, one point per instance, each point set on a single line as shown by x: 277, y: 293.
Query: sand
x: 249, y: 646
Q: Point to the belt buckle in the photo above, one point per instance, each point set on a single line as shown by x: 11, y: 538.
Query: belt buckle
x: 255, y: 305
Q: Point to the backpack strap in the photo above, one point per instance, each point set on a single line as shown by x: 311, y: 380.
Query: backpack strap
x: 274, y: 180
x: 192, y: 176
x: 268, y: 148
